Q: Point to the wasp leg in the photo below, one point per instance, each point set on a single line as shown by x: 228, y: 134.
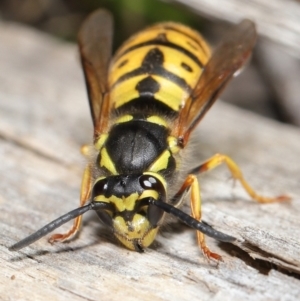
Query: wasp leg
x: 85, y: 150
x: 191, y: 183
x: 85, y: 193
x: 218, y: 159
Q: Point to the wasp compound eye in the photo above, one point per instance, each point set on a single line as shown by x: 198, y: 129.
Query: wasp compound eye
x: 154, y: 213
x: 150, y: 182
x: 100, y: 188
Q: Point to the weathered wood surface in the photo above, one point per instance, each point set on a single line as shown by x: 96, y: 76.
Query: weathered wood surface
x: 281, y: 72
x: 277, y: 55
x: 44, y: 119
x: 277, y: 20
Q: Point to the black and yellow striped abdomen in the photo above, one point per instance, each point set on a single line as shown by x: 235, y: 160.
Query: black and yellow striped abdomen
x: 158, y: 66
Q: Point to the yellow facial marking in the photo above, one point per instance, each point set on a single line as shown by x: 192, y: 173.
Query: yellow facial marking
x: 149, y: 193
x: 121, y: 204
x: 137, y: 229
x: 127, y: 203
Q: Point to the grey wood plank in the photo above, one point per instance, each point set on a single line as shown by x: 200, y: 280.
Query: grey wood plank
x: 44, y: 119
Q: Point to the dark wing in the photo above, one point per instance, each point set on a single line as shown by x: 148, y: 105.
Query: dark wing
x: 228, y: 57
x: 95, y: 44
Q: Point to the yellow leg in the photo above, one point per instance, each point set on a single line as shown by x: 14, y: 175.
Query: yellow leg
x: 191, y: 182
x: 85, y: 150
x: 84, y: 197
x: 218, y: 159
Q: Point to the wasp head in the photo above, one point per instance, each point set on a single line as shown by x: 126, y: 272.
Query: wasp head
x: 133, y: 220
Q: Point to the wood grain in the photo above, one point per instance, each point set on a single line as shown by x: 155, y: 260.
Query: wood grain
x: 277, y: 20
x: 44, y: 119
x: 277, y: 54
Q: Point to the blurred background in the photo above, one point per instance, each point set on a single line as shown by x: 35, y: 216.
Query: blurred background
x: 269, y: 86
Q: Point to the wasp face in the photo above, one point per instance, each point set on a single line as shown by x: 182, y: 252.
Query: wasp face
x: 133, y: 221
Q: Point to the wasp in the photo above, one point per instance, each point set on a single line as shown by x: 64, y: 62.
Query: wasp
x: 145, y: 102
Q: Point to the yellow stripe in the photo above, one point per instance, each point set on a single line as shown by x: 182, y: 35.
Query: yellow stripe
x: 100, y: 141
x: 161, y: 162
x: 124, y: 118
x: 157, y: 120
x: 106, y: 162
x: 125, y: 91
x: 170, y: 93
x: 182, y: 39
x: 173, y: 144
x: 172, y: 62
x: 121, y: 204
x: 149, y: 193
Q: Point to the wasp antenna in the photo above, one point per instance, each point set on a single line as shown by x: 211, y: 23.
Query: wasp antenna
x: 53, y: 225
x: 192, y: 222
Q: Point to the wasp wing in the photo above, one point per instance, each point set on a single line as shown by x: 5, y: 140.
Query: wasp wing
x: 95, y: 45
x: 228, y: 57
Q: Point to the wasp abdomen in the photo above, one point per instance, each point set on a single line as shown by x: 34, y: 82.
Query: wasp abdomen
x: 162, y: 64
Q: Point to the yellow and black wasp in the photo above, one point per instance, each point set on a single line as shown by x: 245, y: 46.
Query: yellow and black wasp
x: 145, y: 102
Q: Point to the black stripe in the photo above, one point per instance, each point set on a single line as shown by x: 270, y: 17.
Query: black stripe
x: 160, y: 71
x: 158, y: 42
x: 191, y: 37
x: 186, y: 67
x: 147, y: 104
x: 152, y: 65
x: 123, y: 63
x: 147, y: 86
